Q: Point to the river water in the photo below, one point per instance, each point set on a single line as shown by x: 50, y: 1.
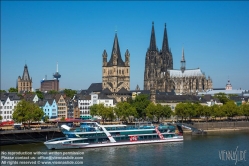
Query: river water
x: 218, y: 148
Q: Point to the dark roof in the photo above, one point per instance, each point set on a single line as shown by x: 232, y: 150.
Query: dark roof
x: 116, y: 50
x: 123, y: 91
x: 106, y: 91
x: 95, y: 87
x: 84, y: 97
x: 179, y: 98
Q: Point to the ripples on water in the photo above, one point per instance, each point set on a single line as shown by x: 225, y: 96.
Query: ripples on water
x: 194, y: 150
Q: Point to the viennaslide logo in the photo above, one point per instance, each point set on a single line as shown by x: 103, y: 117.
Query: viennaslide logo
x: 233, y: 155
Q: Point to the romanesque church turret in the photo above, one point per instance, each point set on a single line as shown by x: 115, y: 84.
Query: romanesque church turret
x: 116, y: 72
x: 24, y: 83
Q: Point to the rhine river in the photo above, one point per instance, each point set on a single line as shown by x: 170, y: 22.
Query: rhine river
x: 218, y: 148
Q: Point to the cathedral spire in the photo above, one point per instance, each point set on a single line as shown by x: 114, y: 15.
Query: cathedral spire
x: 152, y: 39
x: 165, y: 47
x: 183, y: 62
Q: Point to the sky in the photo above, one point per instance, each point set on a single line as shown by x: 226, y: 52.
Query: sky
x: 214, y: 35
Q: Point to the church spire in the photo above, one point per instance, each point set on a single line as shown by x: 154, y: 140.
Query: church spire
x: 165, y: 47
x: 25, y: 75
x: 152, y: 39
x: 116, y: 58
x: 183, y: 62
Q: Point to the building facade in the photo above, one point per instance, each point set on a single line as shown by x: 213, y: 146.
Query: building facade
x: 24, y: 83
x: 159, y: 74
x: 7, y: 105
x: 48, y: 85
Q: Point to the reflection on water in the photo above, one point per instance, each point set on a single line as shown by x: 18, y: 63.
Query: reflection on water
x: 194, y: 150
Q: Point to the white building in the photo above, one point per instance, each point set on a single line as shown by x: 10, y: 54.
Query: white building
x: 85, y: 101
x: 7, y: 105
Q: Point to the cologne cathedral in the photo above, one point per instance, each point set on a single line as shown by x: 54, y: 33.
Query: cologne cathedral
x: 160, y: 75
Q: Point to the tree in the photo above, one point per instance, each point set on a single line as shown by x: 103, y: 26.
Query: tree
x: 231, y: 109
x: 27, y: 112
x: 94, y: 110
x: 245, y: 110
x: 222, y: 97
x: 13, y: 90
x: 218, y: 111
x: 70, y: 93
x: 1, y: 117
x: 39, y: 95
x: 180, y: 111
x: 53, y: 92
x: 103, y: 112
x: 207, y: 112
x: 150, y: 111
x: 125, y: 111
x: 198, y: 109
x: 2, y: 91
x: 45, y: 119
x: 63, y: 118
x: 140, y: 103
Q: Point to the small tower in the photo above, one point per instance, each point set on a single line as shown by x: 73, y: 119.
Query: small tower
x: 183, y: 62
x: 229, y: 85
x: 57, y: 76
x: 24, y: 83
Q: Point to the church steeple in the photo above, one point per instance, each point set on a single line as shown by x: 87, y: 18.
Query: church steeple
x: 183, y: 62
x: 116, y: 58
x: 165, y: 47
x: 152, y: 39
x: 25, y: 75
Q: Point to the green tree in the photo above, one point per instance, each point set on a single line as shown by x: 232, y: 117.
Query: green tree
x: 207, y: 112
x: 2, y: 91
x: 218, y: 111
x: 1, y: 118
x: 125, y: 111
x: 63, y: 118
x: 53, y: 92
x: 245, y: 110
x: 70, y: 93
x: 140, y: 103
x: 94, y: 110
x: 190, y: 110
x: 103, y: 112
x: 158, y: 111
x: 198, y: 109
x: 27, y: 112
x: 45, y: 119
x: 180, y: 111
x: 13, y: 90
x: 222, y: 97
x: 39, y: 95
x: 231, y: 109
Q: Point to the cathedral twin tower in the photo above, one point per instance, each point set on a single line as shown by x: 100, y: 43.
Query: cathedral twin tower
x: 157, y: 63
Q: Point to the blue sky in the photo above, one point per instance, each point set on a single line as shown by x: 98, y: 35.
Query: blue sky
x: 215, y: 37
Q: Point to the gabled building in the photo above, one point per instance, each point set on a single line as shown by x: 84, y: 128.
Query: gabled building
x: 24, y: 83
x: 50, y: 108
x: 62, y: 106
x: 8, y: 104
x: 31, y: 97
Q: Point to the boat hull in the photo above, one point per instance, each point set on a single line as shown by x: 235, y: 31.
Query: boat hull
x: 51, y: 145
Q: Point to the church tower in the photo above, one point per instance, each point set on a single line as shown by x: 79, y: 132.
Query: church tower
x: 24, y: 83
x: 157, y: 63
x: 183, y: 62
x: 116, y: 72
